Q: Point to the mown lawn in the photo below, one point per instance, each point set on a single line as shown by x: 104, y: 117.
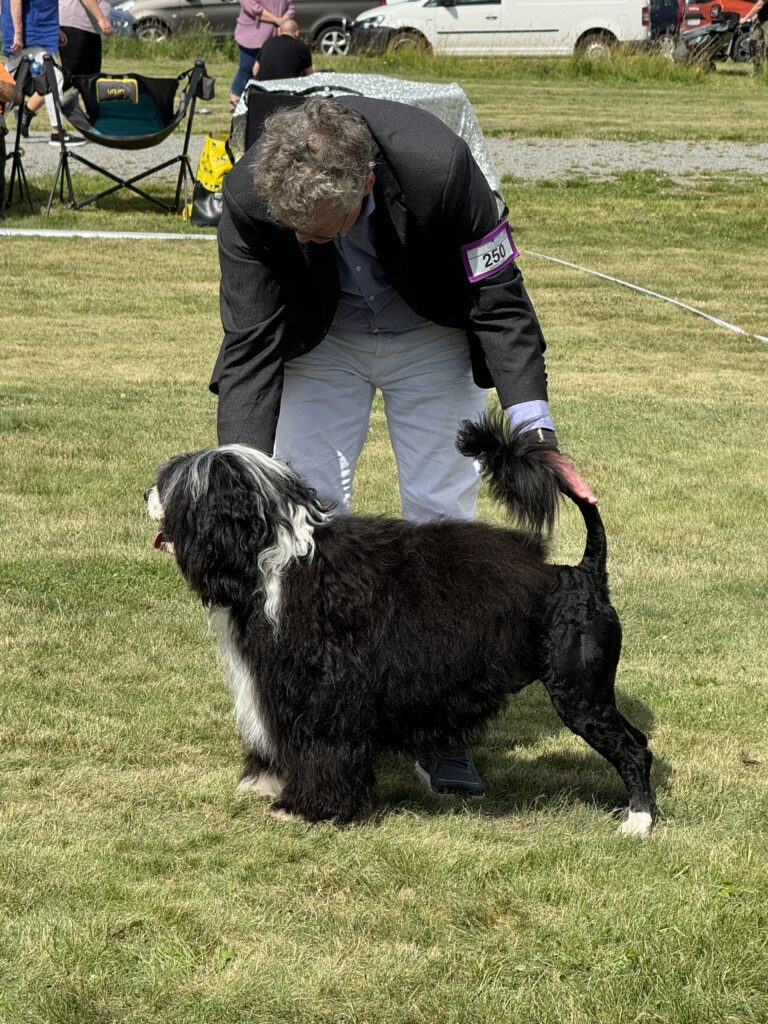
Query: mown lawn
x: 135, y: 886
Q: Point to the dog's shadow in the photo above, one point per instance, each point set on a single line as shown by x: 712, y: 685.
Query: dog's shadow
x: 516, y: 778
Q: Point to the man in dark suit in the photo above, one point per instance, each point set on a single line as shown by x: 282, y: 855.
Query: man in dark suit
x: 361, y: 248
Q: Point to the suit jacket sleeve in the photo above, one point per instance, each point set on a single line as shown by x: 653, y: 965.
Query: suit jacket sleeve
x: 500, y: 316
x: 248, y: 376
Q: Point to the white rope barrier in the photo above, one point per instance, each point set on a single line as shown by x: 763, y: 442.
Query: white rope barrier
x: 646, y: 291
x: 50, y: 233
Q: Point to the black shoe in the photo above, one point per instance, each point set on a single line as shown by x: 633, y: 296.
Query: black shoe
x: 453, y: 774
x: 69, y: 140
x: 25, y: 117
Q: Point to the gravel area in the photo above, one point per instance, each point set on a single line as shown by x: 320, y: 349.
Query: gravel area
x: 42, y: 158
x: 530, y: 159
x: 562, y: 158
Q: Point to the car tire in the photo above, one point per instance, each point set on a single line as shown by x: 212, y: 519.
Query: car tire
x: 408, y: 42
x: 152, y: 31
x: 332, y: 40
x: 667, y: 44
x: 741, y: 52
x: 596, y: 44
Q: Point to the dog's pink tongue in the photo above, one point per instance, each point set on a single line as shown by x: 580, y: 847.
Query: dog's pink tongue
x: 157, y: 543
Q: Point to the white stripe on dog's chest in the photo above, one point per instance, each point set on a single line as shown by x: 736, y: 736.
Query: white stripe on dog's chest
x: 241, y: 684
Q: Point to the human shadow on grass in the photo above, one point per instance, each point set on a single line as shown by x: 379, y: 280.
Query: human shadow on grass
x: 515, y: 781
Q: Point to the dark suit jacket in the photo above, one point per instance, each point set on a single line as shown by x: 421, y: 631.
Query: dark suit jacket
x: 278, y: 298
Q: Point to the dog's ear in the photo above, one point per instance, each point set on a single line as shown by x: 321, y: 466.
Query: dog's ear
x: 218, y: 528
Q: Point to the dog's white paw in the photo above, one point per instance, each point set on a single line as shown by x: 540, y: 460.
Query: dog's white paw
x: 280, y: 815
x: 638, y: 823
x: 262, y: 784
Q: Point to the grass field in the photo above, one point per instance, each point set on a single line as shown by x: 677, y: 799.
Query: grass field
x: 135, y: 886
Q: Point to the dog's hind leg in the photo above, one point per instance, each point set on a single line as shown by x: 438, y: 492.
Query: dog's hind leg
x: 580, y: 683
x: 602, y: 726
x: 259, y: 777
x: 327, y: 783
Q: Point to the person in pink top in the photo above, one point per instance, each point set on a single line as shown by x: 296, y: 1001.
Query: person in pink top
x: 83, y: 22
x: 256, y: 22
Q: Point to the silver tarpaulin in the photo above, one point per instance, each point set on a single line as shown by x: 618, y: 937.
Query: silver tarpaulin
x: 447, y: 101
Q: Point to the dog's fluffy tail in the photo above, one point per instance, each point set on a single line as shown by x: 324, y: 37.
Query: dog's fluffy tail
x: 519, y: 471
x: 523, y: 476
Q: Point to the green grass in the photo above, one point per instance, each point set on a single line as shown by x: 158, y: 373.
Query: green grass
x: 632, y: 97
x: 135, y: 886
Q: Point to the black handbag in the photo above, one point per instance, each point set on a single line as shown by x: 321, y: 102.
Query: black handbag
x: 205, y: 210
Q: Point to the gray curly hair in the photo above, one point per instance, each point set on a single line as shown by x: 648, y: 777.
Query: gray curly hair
x: 315, y: 153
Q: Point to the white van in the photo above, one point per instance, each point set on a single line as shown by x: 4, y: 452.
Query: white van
x: 493, y: 27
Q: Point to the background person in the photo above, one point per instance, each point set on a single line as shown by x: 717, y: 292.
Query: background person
x: 255, y: 24
x: 284, y: 55
x: 31, y: 28
x: 83, y: 22
x: 758, y: 15
x: 346, y: 243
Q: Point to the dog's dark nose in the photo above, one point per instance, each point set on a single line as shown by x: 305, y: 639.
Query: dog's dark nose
x: 146, y: 494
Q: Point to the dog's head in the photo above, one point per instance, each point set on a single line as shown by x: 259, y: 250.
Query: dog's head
x: 235, y: 519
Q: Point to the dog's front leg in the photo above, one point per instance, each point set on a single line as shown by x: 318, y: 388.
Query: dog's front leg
x: 328, y: 783
x: 259, y: 777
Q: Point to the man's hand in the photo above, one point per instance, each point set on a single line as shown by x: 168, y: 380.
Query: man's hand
x: 18, y: 43
x: 572, y: 479
x: 106, y: 26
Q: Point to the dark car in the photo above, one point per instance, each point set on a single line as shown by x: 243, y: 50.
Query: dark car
x: 698, y: 14
x: 322, y: 22
x: 666, y: 16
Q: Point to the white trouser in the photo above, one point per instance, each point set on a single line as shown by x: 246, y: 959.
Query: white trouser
x: 426, y: 380
x: 36, y: 53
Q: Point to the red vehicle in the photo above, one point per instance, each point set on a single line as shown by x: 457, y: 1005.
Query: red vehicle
x: 697, y: 14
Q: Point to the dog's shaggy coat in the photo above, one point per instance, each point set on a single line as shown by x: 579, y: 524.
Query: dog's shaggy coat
x: 347, y: 636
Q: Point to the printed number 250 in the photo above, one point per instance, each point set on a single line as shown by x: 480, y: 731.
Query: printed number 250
x: 494, y: 255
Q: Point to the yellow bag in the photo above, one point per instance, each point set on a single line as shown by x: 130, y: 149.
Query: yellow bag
x: 215, y: 161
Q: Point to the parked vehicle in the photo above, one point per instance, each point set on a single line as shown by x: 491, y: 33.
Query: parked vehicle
x: 123, y: 22
x: 666, y: 17
x: 708, y: 43
x: 502, y: 27
x: 697, y: 15
x: 323, y: 23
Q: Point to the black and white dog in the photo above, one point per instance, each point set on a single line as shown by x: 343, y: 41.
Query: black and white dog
x: 347, y: 636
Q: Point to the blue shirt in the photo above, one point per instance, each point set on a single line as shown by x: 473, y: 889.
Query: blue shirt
x: 40, y: 24
x: 368, y: 302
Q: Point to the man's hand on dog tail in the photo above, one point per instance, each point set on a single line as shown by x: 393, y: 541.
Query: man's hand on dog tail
x: 534, y: 418
x: 573, y: 481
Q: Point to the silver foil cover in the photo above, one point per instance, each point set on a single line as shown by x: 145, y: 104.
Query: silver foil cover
x: 447, y: 101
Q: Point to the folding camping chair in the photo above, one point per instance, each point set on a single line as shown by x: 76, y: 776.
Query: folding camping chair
x: 130, y: 112
x: 26, y: 85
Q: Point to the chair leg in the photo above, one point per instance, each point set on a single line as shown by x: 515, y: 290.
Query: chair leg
x: 185, y: 174
x: 62, y: 172
x: 18, y: 173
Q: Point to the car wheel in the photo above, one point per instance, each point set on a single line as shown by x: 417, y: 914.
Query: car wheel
x: 740, y: 50
x: 408, y: 42
x: 667, y: 45
x: 332, y: 40
x: 152, y: 31
x: 597, y: 44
